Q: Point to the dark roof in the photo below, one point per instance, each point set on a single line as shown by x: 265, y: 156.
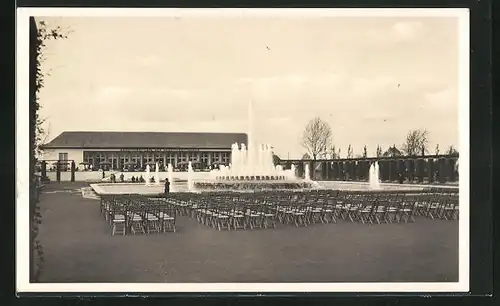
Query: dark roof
x: 145, y: 140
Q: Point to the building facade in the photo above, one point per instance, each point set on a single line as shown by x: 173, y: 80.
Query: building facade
x: 135, y: 150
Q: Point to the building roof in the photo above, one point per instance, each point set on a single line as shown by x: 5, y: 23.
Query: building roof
x: 146, y: 140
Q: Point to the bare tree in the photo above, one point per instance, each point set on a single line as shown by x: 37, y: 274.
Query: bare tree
x: 436, y: 151
x: 365, y: 152
x: 306, y: 156
x: 416, y: 142
x: 316, y: 138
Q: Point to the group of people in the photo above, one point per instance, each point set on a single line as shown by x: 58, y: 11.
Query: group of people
x: 140, y: 179
x: 134, y: 179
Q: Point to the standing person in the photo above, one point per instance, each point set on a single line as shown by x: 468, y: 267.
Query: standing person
x: 167, y: 187
x: 401, y: 178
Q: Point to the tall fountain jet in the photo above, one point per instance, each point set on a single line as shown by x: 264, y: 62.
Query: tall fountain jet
x: 250, y: 144
x: 252, y: 161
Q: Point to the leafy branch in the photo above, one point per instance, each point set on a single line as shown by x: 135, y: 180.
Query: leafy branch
x: 44, y: 33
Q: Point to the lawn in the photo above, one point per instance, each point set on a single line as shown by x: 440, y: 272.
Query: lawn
x: 79, y: 247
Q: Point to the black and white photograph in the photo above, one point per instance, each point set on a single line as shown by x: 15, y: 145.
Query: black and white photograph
x: 242, y: 150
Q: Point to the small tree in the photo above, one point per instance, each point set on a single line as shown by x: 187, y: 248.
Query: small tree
x: 451, y: 151
x: 306, y: 156
x: 316, y: 138
x: 365, y: 152
x: 379, y: 151
x: 350, y: 153
x: 333, y: 152
x: 436, y: 151
x: 416, y: 140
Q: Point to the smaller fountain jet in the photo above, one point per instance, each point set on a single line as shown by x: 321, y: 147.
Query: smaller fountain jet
x: 170, y: 170
x: 190, y: 176
x: 148, y: 174
x: 307, y: 172
x: 157, y: 175
x: 374, y: 179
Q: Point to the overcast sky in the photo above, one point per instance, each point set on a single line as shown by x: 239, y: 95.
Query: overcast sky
x: 371, y: 79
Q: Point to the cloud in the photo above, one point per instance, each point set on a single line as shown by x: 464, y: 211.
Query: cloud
x: 109, y: 94
x: 404, y: 31
x: 281, y: 101
x: 148, y: 61
x: 444, y: 99
x: 407, y: 30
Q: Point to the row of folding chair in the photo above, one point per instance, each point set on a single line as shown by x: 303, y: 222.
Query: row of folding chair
x: 443, y: 206
x: 231, y: 210
x: 136, y: 214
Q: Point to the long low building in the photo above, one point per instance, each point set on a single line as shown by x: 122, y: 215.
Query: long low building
x: 121, y: 150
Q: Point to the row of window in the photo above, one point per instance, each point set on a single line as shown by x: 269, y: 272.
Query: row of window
x: 113, y: 158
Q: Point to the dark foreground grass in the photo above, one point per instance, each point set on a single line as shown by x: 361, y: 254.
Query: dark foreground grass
x: 79, y: 247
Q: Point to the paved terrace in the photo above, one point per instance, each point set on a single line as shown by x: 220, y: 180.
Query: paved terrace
x: 79, y: 248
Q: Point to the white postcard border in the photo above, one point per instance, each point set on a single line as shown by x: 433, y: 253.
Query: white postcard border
x: 22, y: 154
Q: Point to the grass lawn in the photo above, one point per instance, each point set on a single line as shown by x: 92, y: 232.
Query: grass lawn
x: 79, y: 247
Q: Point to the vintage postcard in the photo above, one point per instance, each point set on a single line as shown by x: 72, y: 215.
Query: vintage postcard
x: 242, y: 150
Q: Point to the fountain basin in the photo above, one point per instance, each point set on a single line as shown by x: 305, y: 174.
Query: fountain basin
x: 245, y: 185
x: 133, y: 188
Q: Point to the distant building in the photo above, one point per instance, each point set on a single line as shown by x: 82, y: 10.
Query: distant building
x: 122, y: 150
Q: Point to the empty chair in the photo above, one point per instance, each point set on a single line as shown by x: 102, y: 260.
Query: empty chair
x: 167, y: 216
x: 117, y: 219
x: 151, y: 218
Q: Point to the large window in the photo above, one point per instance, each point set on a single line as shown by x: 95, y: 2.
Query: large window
x: 90, y: 157
x: 226, y: 158
x: 63, y: 156
x: 136, y: 159
x: 182, y: 157
x: 204, y: 158
x: 193, y: 156
x: 216, y: 157
x: 113, y: 160
x: 149, y: 157
x: 171, y: 158
x: 124, y: 159
x: 159, y: 158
